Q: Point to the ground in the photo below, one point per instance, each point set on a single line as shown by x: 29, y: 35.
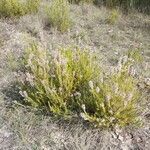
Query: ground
x: 24, y: 129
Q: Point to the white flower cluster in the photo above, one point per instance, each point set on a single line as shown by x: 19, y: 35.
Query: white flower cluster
x: 29, y: 78
x: 91, y: 85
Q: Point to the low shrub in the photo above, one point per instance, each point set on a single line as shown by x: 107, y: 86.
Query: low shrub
x: 59, y: 15
x: 12, y: 8
x: 32, y: 6
x: 70, y: 81
x: 54, y: 80
x: 115, y: 98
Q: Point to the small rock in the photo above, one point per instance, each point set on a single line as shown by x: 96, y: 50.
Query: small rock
x: 139, y: 139
x: 147, y: 81
x: 114, y: 135
x: 124, y: 147
x: 121, y: 138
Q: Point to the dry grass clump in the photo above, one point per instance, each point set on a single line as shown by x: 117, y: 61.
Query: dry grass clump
x: 12, y: 8
x: 113, y: 17
x: 59, y: 15
x: 70, y: 81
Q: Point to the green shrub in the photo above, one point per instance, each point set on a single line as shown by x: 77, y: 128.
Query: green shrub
x: 53, y: 80
x: 32, y: 6
x: 70, y: 81
x: 115, y: 98
x: 12, y: 8
x: 59, y: 15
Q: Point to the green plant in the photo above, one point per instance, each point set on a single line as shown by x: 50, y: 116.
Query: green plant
x: 70, y: 81
x: 59, y: 15
x: 113, y: 16
x: 12, y: 8
x: 53, y: 80
x: 135, y: 55
x: 32, y: 6
x: 115, y: 98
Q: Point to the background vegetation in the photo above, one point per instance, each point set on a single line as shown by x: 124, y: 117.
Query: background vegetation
x: 141, y: 5
x: 12, y: 8
x: 59, y: 15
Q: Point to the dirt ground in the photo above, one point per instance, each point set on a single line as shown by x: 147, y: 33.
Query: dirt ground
x: 24, y: 129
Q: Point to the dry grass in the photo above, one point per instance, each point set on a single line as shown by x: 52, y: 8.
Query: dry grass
x: 23, y: 128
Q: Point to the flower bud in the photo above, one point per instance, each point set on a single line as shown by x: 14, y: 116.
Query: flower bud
x: 97, y: 89
x: 91, y: 85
